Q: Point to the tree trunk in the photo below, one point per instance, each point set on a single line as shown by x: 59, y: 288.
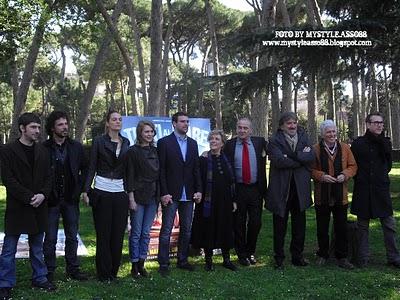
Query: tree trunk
x: 384, y: 105
x: 214, y: 54
x: 355, y: 104
x: 374, y: 90
x: 363, y: 109
x: 156, y: 57
x: 286, y: 89
x: 124, y: 53
x: 19, y: 104
x: 331, y: 102
x: 64, y: 64
x: 395, y: 104
x: 94, y: 76
x: 269, y: 13
x: 275, y: 107
x: 312, y: 107
x: 164, y: 109
x: 284, y: 13
x: 136, y: 36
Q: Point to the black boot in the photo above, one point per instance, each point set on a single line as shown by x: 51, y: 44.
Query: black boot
x: 135, y: 270
x: 227, y: 261
x: 141, y: 269
x: 208, y: 257
x: 209, y: 264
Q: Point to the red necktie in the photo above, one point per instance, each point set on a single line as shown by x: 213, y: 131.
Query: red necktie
x: 246, y: 177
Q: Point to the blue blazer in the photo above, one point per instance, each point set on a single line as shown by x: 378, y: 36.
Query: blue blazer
x: 176, y: 172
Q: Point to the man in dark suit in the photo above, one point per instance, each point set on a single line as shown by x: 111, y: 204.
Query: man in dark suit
x: 247, y: 155
x: 180, y: 183
x: 68, y: 165
x: 25, y: 173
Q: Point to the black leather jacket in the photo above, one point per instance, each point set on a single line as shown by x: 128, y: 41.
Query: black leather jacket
x: 103, y: 159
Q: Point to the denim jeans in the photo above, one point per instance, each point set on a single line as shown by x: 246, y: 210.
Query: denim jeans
x: 185, y: 210
x: 7, y: 259
x: 70, y: 217
x: 141, y: 221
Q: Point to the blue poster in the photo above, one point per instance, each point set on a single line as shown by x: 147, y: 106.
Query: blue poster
x: 199, y: 129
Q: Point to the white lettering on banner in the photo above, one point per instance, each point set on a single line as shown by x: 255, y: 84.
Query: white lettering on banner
x: 199, y: 135
x: 130, y: 134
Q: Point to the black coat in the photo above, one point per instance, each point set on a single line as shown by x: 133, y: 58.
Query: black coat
x: 282, y: 169
x: 371, y: 192
x: 176, y: 172
x: 22, y: 185
x: 215, y: 231
x: 104, y: 161
x: 260, y: 145
x: 141, y: 175
x: 77, y: 164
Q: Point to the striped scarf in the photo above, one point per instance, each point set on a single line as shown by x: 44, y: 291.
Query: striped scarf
x: 207, y: 198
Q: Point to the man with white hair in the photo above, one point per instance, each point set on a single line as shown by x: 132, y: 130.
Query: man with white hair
x: 333, y: 167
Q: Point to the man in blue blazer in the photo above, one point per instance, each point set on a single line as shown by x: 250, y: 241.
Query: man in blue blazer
x: 247, y: 155
x: 180, y: 184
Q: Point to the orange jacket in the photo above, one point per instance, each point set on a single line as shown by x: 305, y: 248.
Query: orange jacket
x: 349, y: 169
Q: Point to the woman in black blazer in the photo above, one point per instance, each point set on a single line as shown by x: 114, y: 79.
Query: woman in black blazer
x: 108, y: 199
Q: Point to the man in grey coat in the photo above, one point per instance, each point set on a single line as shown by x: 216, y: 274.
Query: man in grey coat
x: 289, y: 189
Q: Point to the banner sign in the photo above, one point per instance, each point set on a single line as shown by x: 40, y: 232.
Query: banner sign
x: 199, y: 129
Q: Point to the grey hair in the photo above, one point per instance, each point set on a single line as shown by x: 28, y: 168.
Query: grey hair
x: 245, y: 119
x: 325, y: 124
x: 217, y: 132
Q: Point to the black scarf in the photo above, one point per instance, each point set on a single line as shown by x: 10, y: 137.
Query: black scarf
x: 331, y: 191
x: 384, y: 145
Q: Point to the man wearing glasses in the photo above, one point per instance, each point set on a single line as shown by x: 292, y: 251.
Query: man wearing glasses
x: 371, y: 194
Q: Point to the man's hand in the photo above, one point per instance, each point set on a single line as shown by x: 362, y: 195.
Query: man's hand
x: 328, y: 178
x: 166, y: 199
x: 36, y: 200
x: 306, y: 149
x: 234, y: 206
x: 197, y: 197
x: 341, y: 178
x: 85, y: 198
x: 132, y: 204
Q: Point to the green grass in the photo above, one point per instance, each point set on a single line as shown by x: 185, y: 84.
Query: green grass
x: 377, y: 281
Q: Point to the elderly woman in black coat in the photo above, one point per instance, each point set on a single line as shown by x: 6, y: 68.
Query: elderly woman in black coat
x: 289, y: 189
x: 213, y: 217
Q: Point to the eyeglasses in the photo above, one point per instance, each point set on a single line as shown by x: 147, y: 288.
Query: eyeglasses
x: 376, y: 122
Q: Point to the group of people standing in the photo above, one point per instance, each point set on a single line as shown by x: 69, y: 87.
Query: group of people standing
x: 219, y: 195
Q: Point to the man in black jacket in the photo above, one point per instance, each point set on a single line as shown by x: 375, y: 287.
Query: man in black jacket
x: 247, y: 155
x: 68, y: 166
x: 371, y: 192
x: 25, y: 174
x: 180, y: 185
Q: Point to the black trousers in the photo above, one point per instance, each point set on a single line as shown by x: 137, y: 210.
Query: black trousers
x: 298, y: 219
x: 110, y: 218
x: 247, y: 219
x: 323, y: 216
